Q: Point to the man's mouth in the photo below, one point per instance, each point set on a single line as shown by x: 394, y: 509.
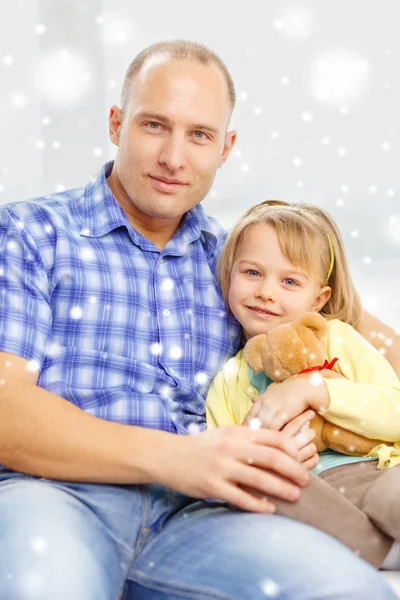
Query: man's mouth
x: 164, y: 184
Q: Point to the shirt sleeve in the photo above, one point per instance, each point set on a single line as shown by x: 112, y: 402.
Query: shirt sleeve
x: 367, y: 401
x: 219, y: 411
x: 25, y: 312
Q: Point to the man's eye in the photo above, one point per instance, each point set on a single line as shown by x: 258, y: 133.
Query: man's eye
x: 200, y: 135
x: 153, y: 125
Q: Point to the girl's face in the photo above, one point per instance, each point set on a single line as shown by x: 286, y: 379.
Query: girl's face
x: 266, y: 289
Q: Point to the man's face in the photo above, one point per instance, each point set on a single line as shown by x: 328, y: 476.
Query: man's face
x: 171, y: 140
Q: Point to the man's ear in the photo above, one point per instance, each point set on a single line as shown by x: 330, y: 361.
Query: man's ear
x: 230, y: 140
x: 115, y: 122
x: 322, y: 298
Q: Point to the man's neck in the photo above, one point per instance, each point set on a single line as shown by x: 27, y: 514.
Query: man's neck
x: 157, y: 231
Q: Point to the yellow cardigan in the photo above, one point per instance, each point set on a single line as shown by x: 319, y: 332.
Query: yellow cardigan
x: 366, y: 402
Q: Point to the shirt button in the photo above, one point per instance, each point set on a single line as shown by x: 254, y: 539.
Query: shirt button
x: 252, y: 391
x: 161, y: 260
x: 166, y: 312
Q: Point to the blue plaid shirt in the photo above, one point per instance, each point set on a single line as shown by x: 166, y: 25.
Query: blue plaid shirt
x: 119, y: 328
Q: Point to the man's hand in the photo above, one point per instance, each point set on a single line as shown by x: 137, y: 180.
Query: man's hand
x: 225, y: 463
x: 283, y: 402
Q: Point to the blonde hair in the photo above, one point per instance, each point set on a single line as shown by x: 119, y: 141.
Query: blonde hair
x: 176, y: 49
x: 307, y: 236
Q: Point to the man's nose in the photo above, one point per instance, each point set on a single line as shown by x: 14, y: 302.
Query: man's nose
x: 173, y: 153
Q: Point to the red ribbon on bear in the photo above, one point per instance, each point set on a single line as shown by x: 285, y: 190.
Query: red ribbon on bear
x: 326, y: 365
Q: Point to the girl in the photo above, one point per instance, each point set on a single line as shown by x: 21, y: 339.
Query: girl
x: 279, y: 262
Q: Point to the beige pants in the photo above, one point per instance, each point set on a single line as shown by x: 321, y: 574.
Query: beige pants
x: 356, y: 503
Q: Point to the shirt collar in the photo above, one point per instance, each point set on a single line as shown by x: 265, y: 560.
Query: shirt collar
x: 102, y: 214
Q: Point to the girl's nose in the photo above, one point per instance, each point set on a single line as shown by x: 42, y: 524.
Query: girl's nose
x: 266, y: 291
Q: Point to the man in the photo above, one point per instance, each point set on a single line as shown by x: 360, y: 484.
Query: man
x: 112, y: 326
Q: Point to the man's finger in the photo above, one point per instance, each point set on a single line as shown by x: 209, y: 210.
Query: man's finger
x: 245, y: 499
x: 273, y: 460
x: 266, y: 482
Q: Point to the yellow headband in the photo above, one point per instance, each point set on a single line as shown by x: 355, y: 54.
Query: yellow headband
x: 331, y: 249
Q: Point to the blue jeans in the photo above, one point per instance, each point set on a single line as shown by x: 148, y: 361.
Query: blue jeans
x: 74, y: 541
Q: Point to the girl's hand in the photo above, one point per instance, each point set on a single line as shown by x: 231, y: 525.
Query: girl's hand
x: 299, y: 430
x: 282, y: 403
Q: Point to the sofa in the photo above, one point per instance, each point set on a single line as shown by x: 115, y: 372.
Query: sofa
x: 394, y: 579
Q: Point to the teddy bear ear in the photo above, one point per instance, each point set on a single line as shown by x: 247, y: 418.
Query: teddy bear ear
x: 315, y: 322
x: 252, y: 352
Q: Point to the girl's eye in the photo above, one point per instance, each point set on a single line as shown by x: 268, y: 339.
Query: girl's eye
x: 252, y: 272
x: 291, y: 282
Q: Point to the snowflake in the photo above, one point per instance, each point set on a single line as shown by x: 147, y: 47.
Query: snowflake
x: 19, y: 100
x: 175, y: 352
x: 33, y: 366
x: 202, y: 378
x: 255, y: 424
x: 39, y: 545
x: 306, y: 117
x: 40, y: 29
x: 270, y: 588
x: 339, y: 76
x: 12, y: 245
x: 257, y: 110
x: 297, y: 162
x: 76, y: 312
x: 116, y: 30
x: 156, y: 348
x: 63, y: 77
x: 167, y: 285
x: 316, y: 379
x: 193, y: 428
x: 8, y: 60
x: 285, y: 80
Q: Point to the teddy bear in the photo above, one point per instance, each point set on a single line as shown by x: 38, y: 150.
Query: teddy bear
x: 297, y: 349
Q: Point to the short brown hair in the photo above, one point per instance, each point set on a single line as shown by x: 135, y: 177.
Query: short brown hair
x: 304, y: 234
x: 177, y: 49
